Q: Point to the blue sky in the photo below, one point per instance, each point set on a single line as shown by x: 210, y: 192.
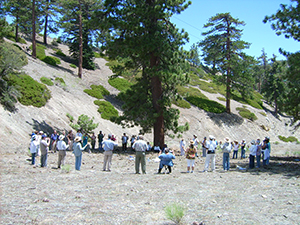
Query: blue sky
x: 252, y: 12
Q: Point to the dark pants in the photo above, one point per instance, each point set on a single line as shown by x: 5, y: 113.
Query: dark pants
x: 124, y: 146
x: 235, y: 154
x: 33, y: 158
x: 169, y: 168
x: 243, y: 153
x: 251, y: 161
x: 44, y: 160
x: 258, y: 161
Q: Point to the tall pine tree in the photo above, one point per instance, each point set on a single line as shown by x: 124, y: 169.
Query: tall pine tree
x: 144, y: 33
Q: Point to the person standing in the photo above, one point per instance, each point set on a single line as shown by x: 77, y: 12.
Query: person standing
x: 33, y: 148
x: 140, y: 147
x: 93, y: 140
x: 204, y: 147
x: 243, y: 150
x: 78, y: 152
x: 210, y: 156
x: 38, y: 140
x: 266, y: 151
x: 190, y: 153
x: 54, y: 138
x: 70, y: 137
x: 252, y: 150
x: 62, y: 151
x: 132, y: 140
x: 235, y: 149
x: 258, y: 152
x: 100, y: 139
x: 226, y: 148
x: 124, y: 142
x: 108, y: 146
x: 44, y: 146
x: 182, y: 146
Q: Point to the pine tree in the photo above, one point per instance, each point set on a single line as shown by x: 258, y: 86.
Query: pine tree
x: 144, y: 33
x: 222, y: 48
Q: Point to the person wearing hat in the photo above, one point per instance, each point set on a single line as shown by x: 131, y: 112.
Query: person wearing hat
x: 243, y: 150
x: 78, y: 152
x: 235, y: 149
x: 33, y: 148
x: 252, y: 150
x: 226, y: 149
x: 108, y: 146
x: 196, y: 143
x: 266, y: 151
x: 140, y: 147
x: 62, y: 150
x: 210, y: 156
x: 190, y: 153
x: 44, y: 146
x: 54, y: 138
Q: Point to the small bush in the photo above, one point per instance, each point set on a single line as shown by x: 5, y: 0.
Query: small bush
x: 49, y: 60
x: 106, y: 109
x: 73, y: 66
x: 97, y: 55
x: 66, y: 168
x: 182, y: 104
x: 60, y: 80
x: 174, y: 212
x: 60, y: 53
x: 32, y: 92
x: 221, y: 99
x: 263, y: 113
x: 97, y: 91
x: 119, y: 83
x: 245, y: 113
x: 288, y: 139
x: 71, y: 118
x: 206, y: 104
x: 46, y: 81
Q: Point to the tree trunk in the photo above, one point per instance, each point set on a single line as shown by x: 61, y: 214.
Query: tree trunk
x: 17, y: 28
x: 80, y: 43
x: 157, y: 92
x: 228, y: 70
x: 46, y: 23
x: 33, y: 31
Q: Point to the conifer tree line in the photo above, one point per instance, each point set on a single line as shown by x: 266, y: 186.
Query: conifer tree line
x: 141, y: 32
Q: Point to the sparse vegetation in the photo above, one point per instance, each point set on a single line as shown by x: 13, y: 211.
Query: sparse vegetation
x: 263, y: 113
x: 97, y: 91
x: 71, y: 118
x: 206, y: 104
x: 60, y: 53
x: 73, y: 66
x: 221, y: 99
x: 288, y: 139
x: 245, y: 113
x: 119, y: 83
x: 46, y: 81
x: 106, y: 109
x: 182, y: 104
x: 32, y: 92
x: 175, y: 212
x: 60, y: 80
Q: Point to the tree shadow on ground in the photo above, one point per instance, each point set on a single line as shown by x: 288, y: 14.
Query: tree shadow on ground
x: 42, y: 126
x: 287, y: 166
x: 225, y: 118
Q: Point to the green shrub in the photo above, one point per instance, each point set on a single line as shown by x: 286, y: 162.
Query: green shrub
x: 263, y: 113
x: 245, y: 113
x: 288, y: 139
x: 71, y: 118
x: 60, y: 53
x: 46, y: 81
x: 119, y: 83
x: 175, y: 212
x: 49, y: 60
x: 60, y: 80
x: 206, y: 104
x: 97, y: 91
x: 18, y: 47
x: 190, y: 91
x: 221, y: 99
x: 106, y: 109
x: 73, y: 66
x: 11, y: 36
x: 182, y: 104
x: 32, y: 92
x: 97, y: 55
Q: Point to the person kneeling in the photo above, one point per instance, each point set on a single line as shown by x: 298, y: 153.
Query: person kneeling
x: 166, y: 160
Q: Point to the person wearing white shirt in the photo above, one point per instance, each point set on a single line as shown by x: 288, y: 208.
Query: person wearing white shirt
x: 210, y: 156
x: 108, y: 146
x: 252, y: 150
x: 33, y: 148
x: 140, y: 147
x: 182, y: 146
x: 62, y: 150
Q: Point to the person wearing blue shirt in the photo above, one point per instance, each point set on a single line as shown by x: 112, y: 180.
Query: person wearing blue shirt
x: 166, y: 160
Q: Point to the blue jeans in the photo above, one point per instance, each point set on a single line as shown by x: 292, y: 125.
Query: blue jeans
x: 226, y: 163
x: 258, y: 161
x: 33, y: 158
x: 243, y: 154
x: 78, y: 162
x: 235, y: 154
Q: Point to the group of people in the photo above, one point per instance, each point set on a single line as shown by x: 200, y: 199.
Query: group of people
x: 40, y: 145
x: 257, y: 150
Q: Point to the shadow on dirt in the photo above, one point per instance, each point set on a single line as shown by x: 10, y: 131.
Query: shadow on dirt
x: 43, y: 126
x: 287, y: 166
x: 225, y: 118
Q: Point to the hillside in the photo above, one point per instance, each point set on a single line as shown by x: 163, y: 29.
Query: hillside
x: 16, y: 127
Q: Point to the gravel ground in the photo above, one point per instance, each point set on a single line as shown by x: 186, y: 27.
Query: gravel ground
x: 35, y: 195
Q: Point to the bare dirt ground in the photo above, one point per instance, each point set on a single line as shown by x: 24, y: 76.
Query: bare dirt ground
x: 35, y: 195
